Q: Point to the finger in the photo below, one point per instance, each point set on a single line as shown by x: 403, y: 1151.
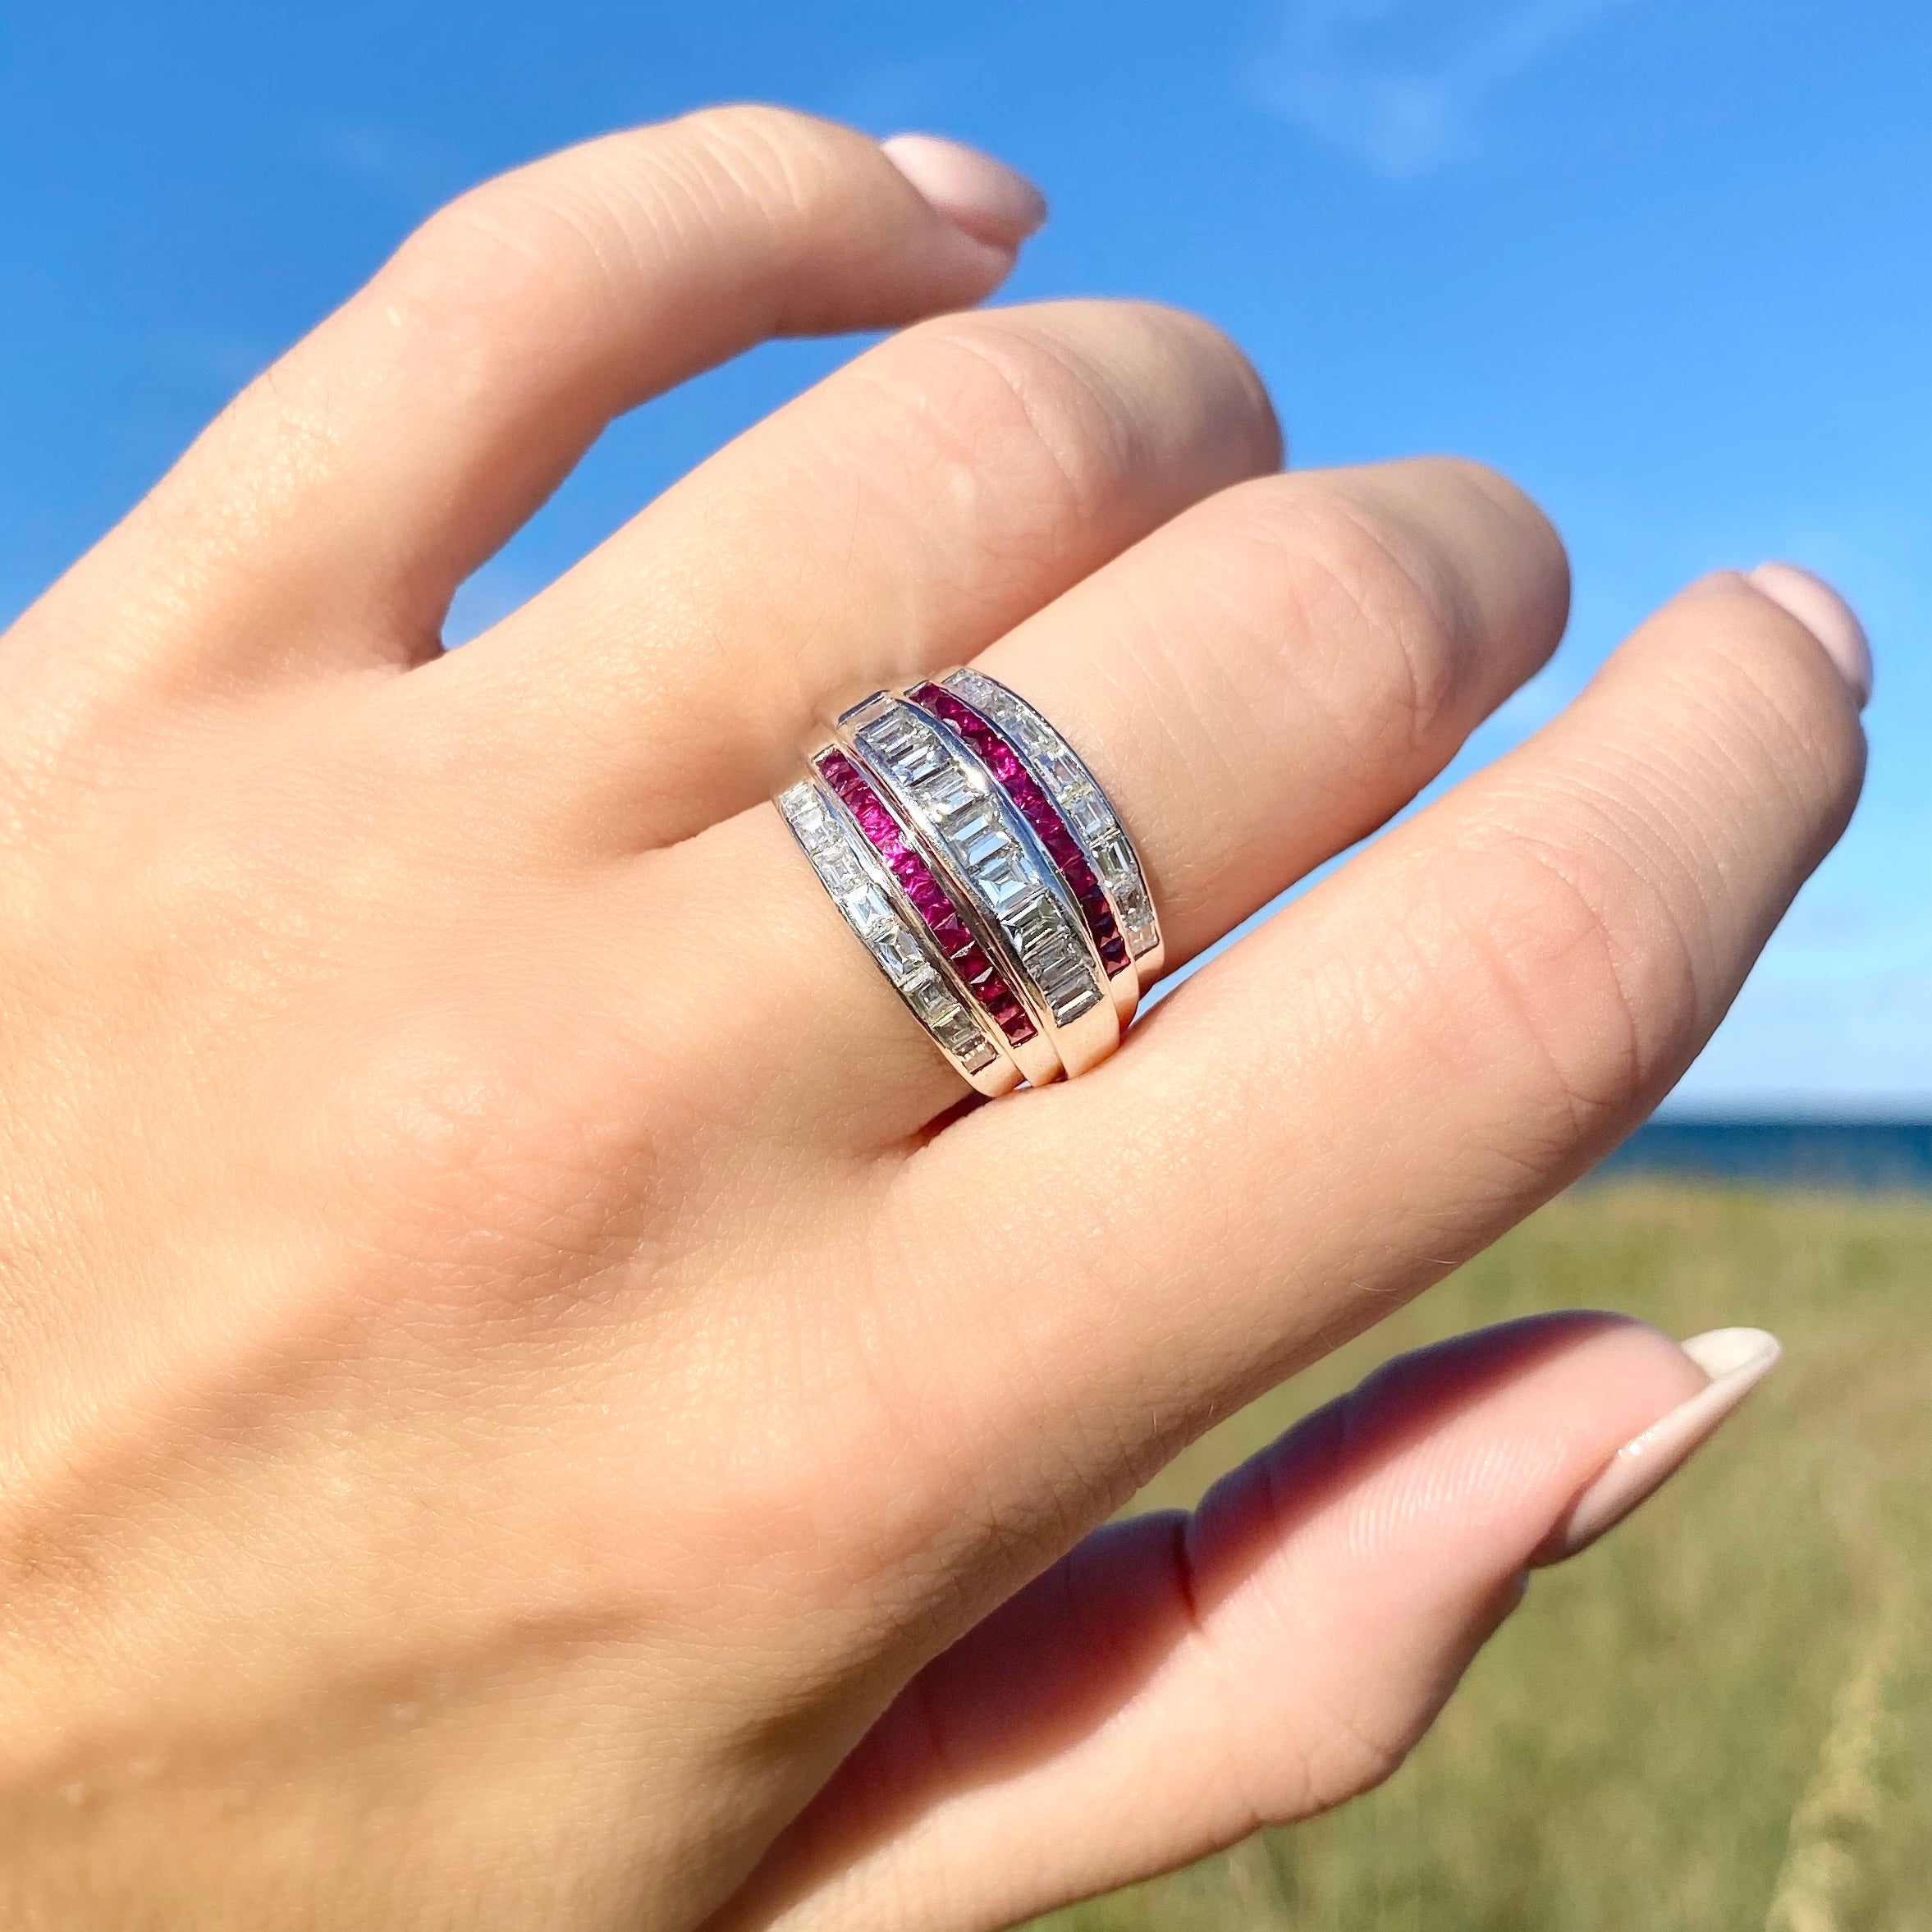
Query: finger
x: 335, y: 506
x: 1176, y: 1681
x: 1256, y: 684
x: 1383, y: 1078
x: 898, y: 517
x: 1263, y: 683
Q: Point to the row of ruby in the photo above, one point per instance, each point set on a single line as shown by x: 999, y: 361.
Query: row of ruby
x: 1039, y: 811
x: 929, y: 898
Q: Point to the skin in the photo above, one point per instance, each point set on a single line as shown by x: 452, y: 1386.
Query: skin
x: 528, y: 1401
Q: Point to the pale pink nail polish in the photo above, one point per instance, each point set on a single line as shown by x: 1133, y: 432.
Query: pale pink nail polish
x: 1735, y: 1360
x: 1826, y: 616
x: 984, y: 197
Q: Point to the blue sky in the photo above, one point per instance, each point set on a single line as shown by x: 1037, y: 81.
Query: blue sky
x: 1669, y: 263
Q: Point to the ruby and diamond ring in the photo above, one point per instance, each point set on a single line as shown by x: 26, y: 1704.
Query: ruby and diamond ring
x: 980, y: 863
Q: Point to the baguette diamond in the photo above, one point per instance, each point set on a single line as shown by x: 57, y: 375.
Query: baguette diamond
x: 935, y: 911
x: 1081, y: 803
x: 990, y: 847
x: 838, y: 856
x: 1004, y: 761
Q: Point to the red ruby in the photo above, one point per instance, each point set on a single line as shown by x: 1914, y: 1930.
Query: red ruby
x: 928, y: 897
x: 1040, y: 811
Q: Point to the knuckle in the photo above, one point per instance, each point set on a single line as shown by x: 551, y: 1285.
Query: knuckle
x: 792, y: 184
x: 1074, y: 404
x: 1129, y: 352
x: 1377, y: 613
x: 777, y: 168
x: 487, y: 1162
x: 1496, y: 495
x: 603, y: 212
x: 777, y: 153
x: 998, y: 408
x: 498, y: 249
x: 1136, y: 349
x: 1349, y: 1756
x: 1579, y: 963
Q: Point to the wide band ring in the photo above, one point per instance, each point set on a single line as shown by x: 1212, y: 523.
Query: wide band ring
x: 983, y: 867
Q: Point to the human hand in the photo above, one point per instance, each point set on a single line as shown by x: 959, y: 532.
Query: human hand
x: 528, y: 1403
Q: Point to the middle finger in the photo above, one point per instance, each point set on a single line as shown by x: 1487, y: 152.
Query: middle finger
x: 900, y: 515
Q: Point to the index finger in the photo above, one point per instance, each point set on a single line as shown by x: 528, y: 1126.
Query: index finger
x: 339, y: 501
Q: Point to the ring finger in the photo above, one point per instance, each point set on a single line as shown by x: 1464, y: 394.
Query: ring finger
x: 1256, y: 685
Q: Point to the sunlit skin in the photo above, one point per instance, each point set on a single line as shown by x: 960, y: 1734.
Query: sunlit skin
x: 518, y: 1365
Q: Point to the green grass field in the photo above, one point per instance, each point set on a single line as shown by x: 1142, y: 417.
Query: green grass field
x: 1720, y: 1719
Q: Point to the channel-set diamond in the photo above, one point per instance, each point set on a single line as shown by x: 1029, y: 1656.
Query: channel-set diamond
x: 838, y: 855
x: 1080, y: 801
x: 935, y: 909
x: 999, y: 757
x: 991, y: 848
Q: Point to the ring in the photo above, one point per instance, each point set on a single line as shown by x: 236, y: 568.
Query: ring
x: 984, y: 868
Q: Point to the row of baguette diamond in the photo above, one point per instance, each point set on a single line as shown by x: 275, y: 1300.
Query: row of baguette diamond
x: 990, y: 847
x: 1000, y: 757
x: 1064, y: 775
x: 930, y: 900
x: 850, y: 868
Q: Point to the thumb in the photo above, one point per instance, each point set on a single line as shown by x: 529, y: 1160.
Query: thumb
x: 1176, y: 1680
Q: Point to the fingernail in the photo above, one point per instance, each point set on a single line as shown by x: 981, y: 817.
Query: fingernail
x: 1736, y: 1360
x: 973, y: 191
x: 1826, y: 616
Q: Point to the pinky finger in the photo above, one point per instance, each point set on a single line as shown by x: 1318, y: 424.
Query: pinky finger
x: 1177, y: 1681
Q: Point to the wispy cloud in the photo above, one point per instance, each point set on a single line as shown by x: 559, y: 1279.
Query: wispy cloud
x: 1403, y: 84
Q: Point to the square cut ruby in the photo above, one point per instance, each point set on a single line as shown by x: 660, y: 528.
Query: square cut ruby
x: 1001, y: 759
x: 929, y: 898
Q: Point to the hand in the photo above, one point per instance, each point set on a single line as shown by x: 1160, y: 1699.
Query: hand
x: 517, y: 1364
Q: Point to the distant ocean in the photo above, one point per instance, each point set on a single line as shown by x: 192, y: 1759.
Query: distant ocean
x: 1854, y: 1154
